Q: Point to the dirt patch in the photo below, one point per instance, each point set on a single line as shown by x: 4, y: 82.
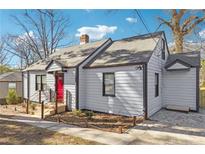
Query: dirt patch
x: 34, y: 109
x: 20, y: 133
x: 102, y: 121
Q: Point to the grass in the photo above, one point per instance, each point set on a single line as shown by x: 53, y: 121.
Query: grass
x: 20, y: 133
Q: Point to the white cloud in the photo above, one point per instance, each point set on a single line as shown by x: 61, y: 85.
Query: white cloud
x: 97, y: 32
x: 131, y: 20
x: 202, y: 34
x: 24, y: 37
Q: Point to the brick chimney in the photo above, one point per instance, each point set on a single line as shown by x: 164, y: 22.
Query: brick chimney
x: 84, y: 39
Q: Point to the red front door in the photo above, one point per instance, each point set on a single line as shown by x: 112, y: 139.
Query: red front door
x: 59, y: 87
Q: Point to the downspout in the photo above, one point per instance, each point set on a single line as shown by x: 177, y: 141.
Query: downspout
x: 145, y: 90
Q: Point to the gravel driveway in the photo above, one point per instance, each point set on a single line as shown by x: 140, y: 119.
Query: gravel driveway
x: 191, y: 123
x: 170, y: 127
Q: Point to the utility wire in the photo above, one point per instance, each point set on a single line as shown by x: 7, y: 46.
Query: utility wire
x: 146, y: 27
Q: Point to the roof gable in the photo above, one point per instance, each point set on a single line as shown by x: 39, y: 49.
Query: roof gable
x: 11, y: 77
x: 133, y: 50
x: 178, y: 65
x: 68, y: 57
x: 190, y: 59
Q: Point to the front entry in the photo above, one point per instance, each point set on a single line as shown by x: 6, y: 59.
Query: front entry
x: 59, y: 87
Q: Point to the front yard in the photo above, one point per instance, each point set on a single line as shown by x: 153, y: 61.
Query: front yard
x: 21, y: 133
x: 97, y: 120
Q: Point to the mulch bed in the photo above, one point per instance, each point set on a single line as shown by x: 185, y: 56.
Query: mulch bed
x: 102, y: 121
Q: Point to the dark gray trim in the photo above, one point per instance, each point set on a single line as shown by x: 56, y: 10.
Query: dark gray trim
x: 145, y: 92
x: 180, y: 69
x: 103, y: 84
x: 96, y: 54
x: 77, y: 87
x: 77, y: 72
x: 197, y: 88
x: 177, y: 61
x: 117, y: 65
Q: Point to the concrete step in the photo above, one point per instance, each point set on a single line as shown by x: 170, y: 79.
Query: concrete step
x: 178, y: 108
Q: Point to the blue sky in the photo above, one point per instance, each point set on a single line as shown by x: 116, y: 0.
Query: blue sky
x: 99, y: 24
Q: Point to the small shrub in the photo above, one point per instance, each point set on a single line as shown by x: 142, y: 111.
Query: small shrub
x: 77, y: 112
x: 33, y: 106
x: 89, y: 114
x: 12, y: 97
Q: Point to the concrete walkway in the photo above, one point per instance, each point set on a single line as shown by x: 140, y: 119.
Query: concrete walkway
x: 85, y: 133
x: 133, y: 136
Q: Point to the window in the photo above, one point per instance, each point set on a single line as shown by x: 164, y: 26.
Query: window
x: 40, y: 82
x: 156, y: 84
x: 108, y: 84
x: 12, y: 85
x: 163, y: 49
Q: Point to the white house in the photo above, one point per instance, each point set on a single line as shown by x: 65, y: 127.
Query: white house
x: 132, y: 76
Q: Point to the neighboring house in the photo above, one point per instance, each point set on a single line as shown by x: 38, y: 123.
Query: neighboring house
x: 133, y: 76
x: 10, y: 80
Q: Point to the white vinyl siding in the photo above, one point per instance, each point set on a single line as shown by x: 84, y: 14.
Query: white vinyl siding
x: 54, y: 67
x: 82, y: 77
x: 128, y: 98
x: 34, y: 94
x: 180, y: 88
x: 70, y: 86
x: 155, y: 65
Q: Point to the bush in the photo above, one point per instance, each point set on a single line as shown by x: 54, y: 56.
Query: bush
x: 89, y: 114
x: 77, y: 112
x: 33, y: 106
x: 12, y: 97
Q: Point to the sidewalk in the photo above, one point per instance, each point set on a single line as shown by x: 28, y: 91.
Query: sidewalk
x: 133, y: 136
x: 85, y: 133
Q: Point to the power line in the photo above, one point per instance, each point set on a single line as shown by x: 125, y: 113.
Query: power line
x: 146, y: 27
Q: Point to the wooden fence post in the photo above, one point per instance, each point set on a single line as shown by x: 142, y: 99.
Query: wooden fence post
x: 67, y: 101
x: 39, y: 99
x: 50, y: 91
x: 42, y: 110
x: 27, y: 106
x: 134, y: 121
x: 56, y: 103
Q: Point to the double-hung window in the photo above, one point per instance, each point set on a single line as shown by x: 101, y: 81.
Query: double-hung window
x: 40, y: 82
x: 156, y: 84
x: 109, y: 84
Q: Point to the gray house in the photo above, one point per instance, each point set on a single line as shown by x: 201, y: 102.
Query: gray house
x: 10, y: 80
x: 132, y: 76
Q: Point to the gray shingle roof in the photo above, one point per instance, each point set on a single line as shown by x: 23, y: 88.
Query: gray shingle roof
x: 131, y: 50
x: 69, y: 56
x: 11, y: 76
x: 190, y: 58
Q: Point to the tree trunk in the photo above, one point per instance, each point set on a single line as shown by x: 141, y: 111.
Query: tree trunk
x: 178, y: 41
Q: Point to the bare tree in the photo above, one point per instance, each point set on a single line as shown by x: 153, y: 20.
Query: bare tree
x: 43, y: 32
x: 182, y: 23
